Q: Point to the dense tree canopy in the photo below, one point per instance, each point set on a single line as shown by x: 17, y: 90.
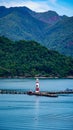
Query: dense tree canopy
x: 29, y: 59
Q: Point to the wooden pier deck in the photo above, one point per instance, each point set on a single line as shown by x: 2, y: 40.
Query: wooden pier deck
x: 46, y: 94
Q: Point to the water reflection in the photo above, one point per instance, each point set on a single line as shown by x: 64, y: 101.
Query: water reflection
x: 36, y: 111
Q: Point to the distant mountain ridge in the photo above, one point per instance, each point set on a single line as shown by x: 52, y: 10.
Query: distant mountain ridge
x: 48, y: 28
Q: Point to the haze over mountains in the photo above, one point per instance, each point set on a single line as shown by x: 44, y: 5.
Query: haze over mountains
x: 48, y: 28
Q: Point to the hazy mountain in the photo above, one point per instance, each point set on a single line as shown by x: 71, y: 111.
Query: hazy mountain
x: 60, y: 36
x: 19, y: 24
x: 48, y: 28
x: 49, y: 17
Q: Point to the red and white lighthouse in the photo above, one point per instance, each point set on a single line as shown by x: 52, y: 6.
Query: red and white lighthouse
x: 37, y: 86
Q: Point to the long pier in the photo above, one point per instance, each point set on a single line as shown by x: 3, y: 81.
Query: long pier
x: 46, y: 94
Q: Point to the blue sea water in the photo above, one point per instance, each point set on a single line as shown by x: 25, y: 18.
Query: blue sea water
x: 24, y: 112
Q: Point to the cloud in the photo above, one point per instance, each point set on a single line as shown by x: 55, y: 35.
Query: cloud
x: 38, y: 6
x: 61, y: 9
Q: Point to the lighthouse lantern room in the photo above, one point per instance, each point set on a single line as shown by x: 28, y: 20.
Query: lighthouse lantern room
x: 37, y: 86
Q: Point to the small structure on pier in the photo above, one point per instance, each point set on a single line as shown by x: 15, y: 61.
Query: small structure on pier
x: 37, y: 86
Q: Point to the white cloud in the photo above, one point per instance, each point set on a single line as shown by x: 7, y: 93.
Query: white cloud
x: 62, y: 10
x: 38, y: 6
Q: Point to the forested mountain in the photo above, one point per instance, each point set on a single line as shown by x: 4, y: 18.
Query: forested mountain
x: 49, y: 17
x: 60, y: 37
x: 48, y: 28
x: 29, y: 59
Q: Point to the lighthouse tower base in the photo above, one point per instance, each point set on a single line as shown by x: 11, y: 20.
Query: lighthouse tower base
x: 37, y: 90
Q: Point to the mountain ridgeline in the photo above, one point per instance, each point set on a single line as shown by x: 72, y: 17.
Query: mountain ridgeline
x: 48, y: 28
x: 30, y: 59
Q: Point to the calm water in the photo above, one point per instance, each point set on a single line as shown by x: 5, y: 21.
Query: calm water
x: 23, y: 112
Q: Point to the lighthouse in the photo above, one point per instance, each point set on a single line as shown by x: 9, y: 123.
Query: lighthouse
x: 37, y: 86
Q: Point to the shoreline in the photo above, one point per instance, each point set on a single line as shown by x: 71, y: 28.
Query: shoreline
x: 40, y: 77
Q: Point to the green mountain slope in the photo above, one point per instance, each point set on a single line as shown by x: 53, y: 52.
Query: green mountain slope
x: 19, y: 24
x: 48, y: 28
x: 60, y: 37
x: 29, y: 59
x: 49, y: 17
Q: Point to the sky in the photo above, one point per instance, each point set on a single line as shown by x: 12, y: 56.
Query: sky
x: 62, y: 7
